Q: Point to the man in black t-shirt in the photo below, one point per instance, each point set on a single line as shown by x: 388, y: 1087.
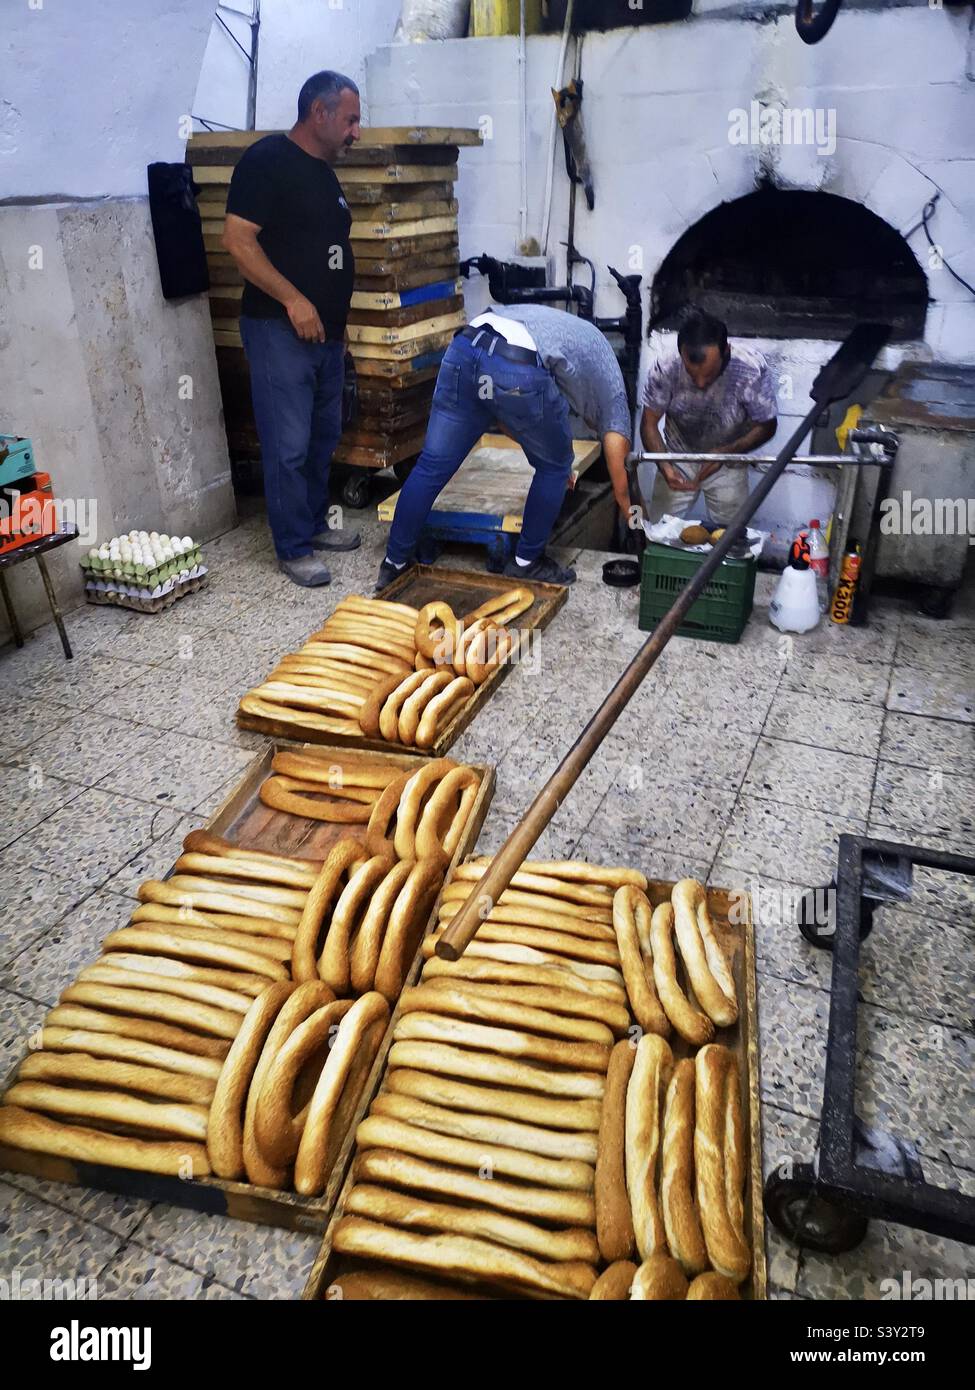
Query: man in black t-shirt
x: 288, y: 228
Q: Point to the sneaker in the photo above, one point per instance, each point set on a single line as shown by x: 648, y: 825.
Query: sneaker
x: 307, y: 570
x: 337, y: 540
x: 544, y: 569
x: 387, y: 573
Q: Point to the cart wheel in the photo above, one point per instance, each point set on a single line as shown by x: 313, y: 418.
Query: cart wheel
x: 355, y: 492
x: 935, y: 602
x: 805, y: 1218
x: 816, y: 916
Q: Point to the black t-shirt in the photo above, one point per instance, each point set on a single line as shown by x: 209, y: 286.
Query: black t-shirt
x: 297, y: 202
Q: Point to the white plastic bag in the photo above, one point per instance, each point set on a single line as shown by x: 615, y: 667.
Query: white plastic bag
x: 432, y: 19
x: 667, y: 531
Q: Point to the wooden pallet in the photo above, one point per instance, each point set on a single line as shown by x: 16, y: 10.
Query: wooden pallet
x: 464, y: 590
x: 244, y: 819
x: 733, y: 921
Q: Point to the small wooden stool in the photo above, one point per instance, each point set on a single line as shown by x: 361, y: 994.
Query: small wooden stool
x: 36, y: 550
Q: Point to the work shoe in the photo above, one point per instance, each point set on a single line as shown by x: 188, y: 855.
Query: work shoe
x: 307, y: 570
x: 337, y: 540
x: 544, y: 569
x: 387, y: 573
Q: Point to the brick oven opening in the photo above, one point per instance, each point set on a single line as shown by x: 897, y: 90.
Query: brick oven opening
x: 787, y: 264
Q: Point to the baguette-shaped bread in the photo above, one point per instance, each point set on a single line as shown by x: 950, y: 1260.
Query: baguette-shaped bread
x: 659, y: 1278
x: 486, y: 1129
x: 116, y: 1076
x: 391, y: 1169
x: 463, y: 1257
x: 516, y: 953
x: 150, y: 969
x: 678, y: 1204
x: 428, y: 1027
x: 146, y: 1003
x: 23, y: 1129
x: 707, y: 969
x: 112, y: 1107
x: 381, y: 1132
x: 719, y: 1161
x: 693, y: 1026
x: 414, y: 1213
x: 216, y: 997
x: 496, y: 1071
x: 115, y: 1047
x: 546, y: 998
x: 391, y: 1286
x: 578, y: 1116
x: 614, y: 1220
x: 570, y: 935
x: 203, y: 946
x: 459, y: 1001
x: 501, y: 972
x: 645, y: 1092
x: 144, y: 1029
x: 225, y: 1132
x: 631, y: 915
x: 614, y: 1284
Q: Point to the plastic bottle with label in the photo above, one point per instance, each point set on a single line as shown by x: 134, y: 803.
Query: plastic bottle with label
x: 794, y: 606
x: 819, y: 563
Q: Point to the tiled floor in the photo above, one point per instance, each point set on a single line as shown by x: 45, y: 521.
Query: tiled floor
x: 737, y: 764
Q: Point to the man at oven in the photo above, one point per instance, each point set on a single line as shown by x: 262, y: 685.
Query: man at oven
x: 715, y: 397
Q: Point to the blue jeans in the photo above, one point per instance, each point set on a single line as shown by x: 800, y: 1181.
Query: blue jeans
x: 476, y: 392
x: 296, y: 388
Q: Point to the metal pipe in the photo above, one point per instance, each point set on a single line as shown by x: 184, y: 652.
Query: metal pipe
x: 815, y: 460
x: 523, y: 95
x: 553, y: 133
x: 519, y: 843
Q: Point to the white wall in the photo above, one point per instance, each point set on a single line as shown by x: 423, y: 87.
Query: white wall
x: 93, y: 92
x: 297, y: 38
x: 657, y: 116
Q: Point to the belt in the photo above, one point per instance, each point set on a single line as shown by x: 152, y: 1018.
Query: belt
x: 491, y: 341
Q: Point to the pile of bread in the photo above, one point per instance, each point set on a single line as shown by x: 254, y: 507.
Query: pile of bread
x: 528, y: 1137
x: 379, y: 669
x: 238, y: 1013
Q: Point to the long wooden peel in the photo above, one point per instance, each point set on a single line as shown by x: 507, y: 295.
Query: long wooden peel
x: 837, y: 379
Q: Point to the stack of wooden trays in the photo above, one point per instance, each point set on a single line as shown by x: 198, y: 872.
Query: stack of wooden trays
x: 407, y: 305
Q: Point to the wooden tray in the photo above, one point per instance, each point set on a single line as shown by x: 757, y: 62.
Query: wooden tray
x: 245, y: 819
x: 464, y: 590
x: 738, y: 940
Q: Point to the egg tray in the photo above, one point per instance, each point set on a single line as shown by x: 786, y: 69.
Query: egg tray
x: 141, y: 600
x: 142, y: 575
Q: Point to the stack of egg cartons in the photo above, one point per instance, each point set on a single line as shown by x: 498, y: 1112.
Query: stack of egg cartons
x: 143, y: 570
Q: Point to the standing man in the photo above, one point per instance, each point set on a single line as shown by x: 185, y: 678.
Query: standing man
x: 718, y: 398
x: 288, y: 230
x: 521, y: 368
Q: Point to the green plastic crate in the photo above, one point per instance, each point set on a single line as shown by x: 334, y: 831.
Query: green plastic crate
x: 722, y: 611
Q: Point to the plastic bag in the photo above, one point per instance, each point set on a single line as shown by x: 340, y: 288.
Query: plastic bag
x: 432, y: 19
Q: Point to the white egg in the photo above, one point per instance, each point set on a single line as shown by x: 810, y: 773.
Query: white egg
x: 187, y: 543
x: 153, y: 535
x: 163, y: 540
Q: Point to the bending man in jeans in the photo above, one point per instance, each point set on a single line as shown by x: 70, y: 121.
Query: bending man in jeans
x: 520, y: 367
x: 288, y: 230
x: 718, y: 398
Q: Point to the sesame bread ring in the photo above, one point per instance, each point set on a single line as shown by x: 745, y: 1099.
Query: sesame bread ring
x: 519, y: 599
x: 304, y: 954
x: 379, y: 829
x: 692, y: 1025
x: 433, y: 619
x: 424, y: 663
x: 337, y: 1093
x: 277, y: 793
x: 466, y: 637
x: 441, y: 709
x: 487, y: 652
x: 371, y: 707
x: 334, y: 965
x: 414, y: 706
x: 301, y: 1004
x: 369, y: 938
x: 707, y: 969
x: 406, y: 923
x: 462, y: 781
x: 417, y: 787
x: 390, y: 712
x: 277, y: 1128
x: 381, y: 605
x: 225, y: 1129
